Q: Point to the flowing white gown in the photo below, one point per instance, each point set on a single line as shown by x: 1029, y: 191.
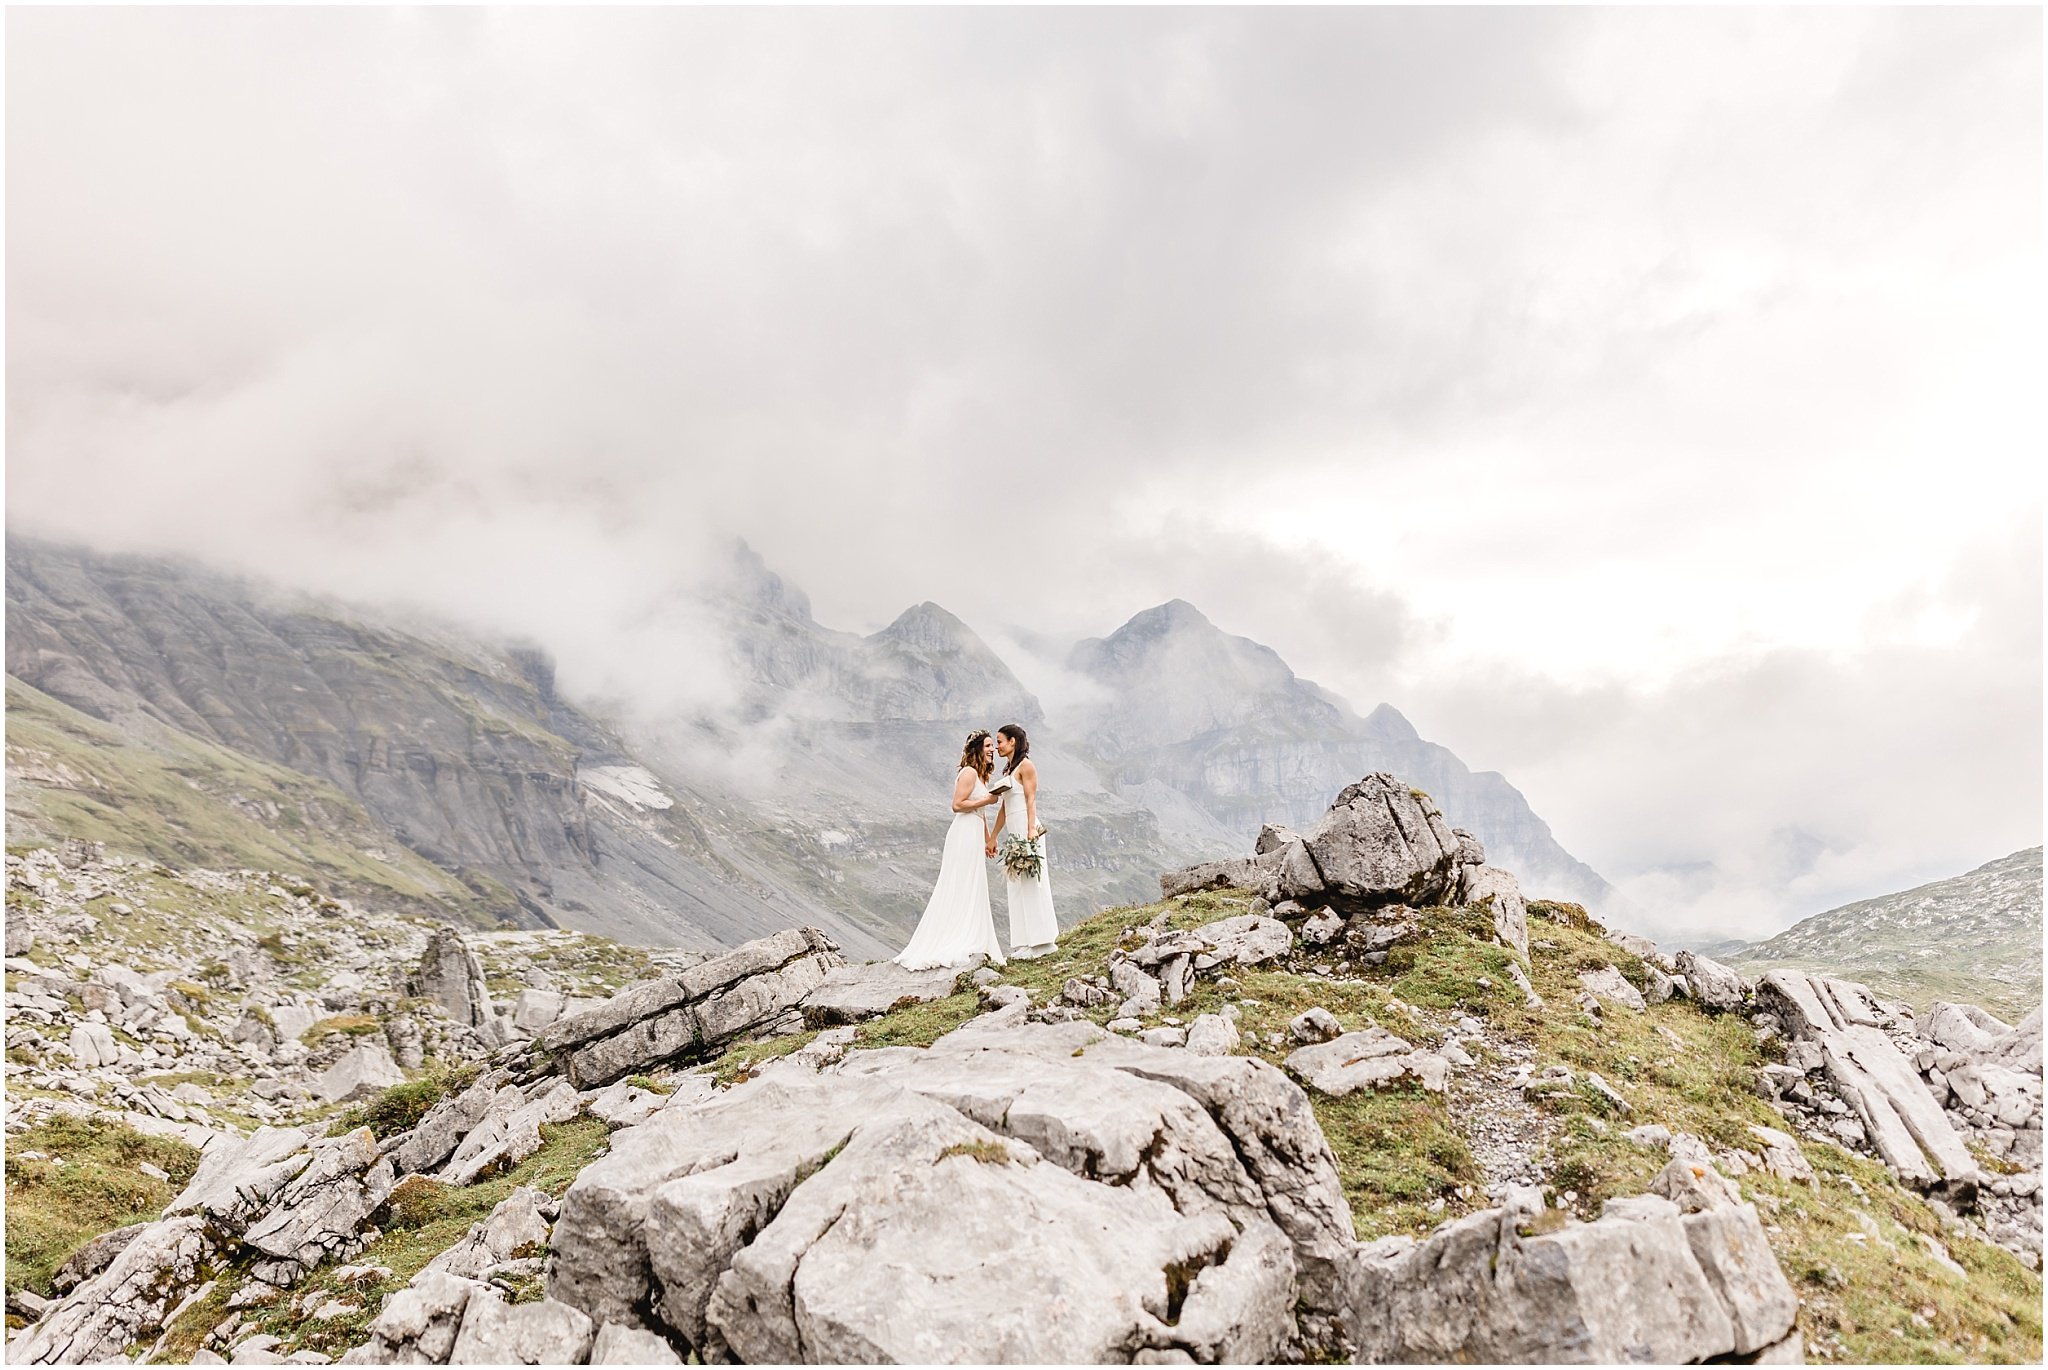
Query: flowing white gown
x: 957, y: 923
x: 1033, y: 925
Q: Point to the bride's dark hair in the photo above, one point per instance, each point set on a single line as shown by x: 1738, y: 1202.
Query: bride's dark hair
x: 971, y: 754
x: 1022, y: 745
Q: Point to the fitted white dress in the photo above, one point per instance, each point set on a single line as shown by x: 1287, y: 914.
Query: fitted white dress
x: 957, y: 924
x: 1033, y: 925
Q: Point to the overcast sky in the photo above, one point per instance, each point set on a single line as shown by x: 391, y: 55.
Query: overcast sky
x: 1644, y: 401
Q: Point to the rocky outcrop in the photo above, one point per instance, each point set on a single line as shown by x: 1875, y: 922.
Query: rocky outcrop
x: 1169, y: 1203
x: 125, y: 1303
x: 516, y: 1229
x: 1712, y: 984
x: 1987, y: 1078
x: 508, y: 1131
x: 1681, y: 1275
x: 451, y: 975
x: 1840, y: 1027
x: 1381, y: 845
x: 1367, y: 1060
x: 365, y: 1071
x: 1502, y: 893
x: 714, y: 1002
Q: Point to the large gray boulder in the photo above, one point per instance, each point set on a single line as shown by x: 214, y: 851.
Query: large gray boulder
x: 852, y: 994
x: 125, y: 1303
x: 693, y: 1011
x: 1025, y: 1167
x: 1380, y: 843
x: 237, y: 1181
x: 518, y: 1225
x: 93, y: 1045
x: 1366, y: 1060
x: 1728, y: 1242
x: 322, y: 1210
x: 617, y: 1344
x: 1383, y: 842
x: 452, y: 976
x: 1712, y: 984
x: 436, y: 1136
x: 419, y: 1324
x: 509, y: 1130
x: 1648, y: 1282
x: 364, y: 1072
x: 1608, y: 983
x: 495, y: 1332
x: 1501, y: 892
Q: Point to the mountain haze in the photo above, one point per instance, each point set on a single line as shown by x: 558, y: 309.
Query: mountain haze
x: 1974, y: 938
x: 483, y: 790
x: 420, y: 766
x: 1223, y: 720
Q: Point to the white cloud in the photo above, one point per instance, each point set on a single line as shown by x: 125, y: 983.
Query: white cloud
x: 1634, y: 376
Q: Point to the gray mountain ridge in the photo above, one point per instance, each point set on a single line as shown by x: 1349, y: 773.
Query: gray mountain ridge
x: 537, y: 810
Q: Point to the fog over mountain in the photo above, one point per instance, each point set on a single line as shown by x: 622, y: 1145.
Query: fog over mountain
x: 1637, y: 400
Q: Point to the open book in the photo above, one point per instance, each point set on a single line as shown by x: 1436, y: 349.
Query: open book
x: 1001, y: 783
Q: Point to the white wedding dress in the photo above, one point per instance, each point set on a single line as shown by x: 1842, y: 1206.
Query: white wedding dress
x: 1033, y: 925
x: 957, y: 924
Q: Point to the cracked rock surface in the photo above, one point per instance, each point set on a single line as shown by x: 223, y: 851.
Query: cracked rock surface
x: 1166, y: 1204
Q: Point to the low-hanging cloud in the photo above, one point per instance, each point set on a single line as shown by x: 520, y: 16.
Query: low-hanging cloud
x: 1555, y: 374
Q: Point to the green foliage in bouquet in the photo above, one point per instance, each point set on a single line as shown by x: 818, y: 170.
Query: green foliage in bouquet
x: 1021, y: 857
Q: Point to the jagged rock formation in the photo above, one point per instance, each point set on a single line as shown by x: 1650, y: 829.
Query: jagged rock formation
x: 1976, y: 935
x: 749, y: 989
x: 1841, y: 1028
x: 1381, y: 845
x: 451, y: 975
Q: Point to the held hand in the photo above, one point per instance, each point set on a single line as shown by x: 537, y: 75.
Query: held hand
x: 991, y: 847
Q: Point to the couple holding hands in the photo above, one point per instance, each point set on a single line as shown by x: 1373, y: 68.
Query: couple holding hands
x: 957, y: 924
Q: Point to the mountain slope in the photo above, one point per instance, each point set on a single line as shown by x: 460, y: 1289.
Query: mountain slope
x: 461, y: 756
x: 815, y: 792
x: 1974, y: 938
x: 1222, y: 720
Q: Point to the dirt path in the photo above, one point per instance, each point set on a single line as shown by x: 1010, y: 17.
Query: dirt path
x: 1508, y: 1136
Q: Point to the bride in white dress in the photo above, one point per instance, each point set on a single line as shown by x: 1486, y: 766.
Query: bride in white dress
x: 957, y: 924
x: 1033, y: 925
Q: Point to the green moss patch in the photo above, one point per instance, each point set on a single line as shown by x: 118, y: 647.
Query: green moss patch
x: 91, y: 1183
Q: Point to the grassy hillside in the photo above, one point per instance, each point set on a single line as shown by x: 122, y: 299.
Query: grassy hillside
x: 1973, y: 938
x: 1853, y: 1243
x: 184, y: 801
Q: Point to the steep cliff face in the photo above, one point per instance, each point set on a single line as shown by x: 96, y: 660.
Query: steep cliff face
x: 463, y: 757
x: 1223, y: 720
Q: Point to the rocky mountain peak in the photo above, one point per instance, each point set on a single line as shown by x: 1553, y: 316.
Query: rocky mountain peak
x: 746, y: 580
x: 928, y: 627
x: 1390, y: 723
x: 1176, y: 642
x: 1176, y: 615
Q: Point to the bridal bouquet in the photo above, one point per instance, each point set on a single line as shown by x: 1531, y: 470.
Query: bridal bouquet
x: 1021, y: 857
